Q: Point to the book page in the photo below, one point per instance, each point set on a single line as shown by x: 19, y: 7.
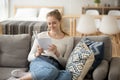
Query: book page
x: 44, y: 42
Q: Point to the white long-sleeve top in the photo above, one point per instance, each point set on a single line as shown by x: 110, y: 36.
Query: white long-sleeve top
x: 64, y: 47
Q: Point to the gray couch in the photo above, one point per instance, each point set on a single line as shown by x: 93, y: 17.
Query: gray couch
x: 14, y: 50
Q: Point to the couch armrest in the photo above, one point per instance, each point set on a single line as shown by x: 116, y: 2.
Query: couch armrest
x: 101, y: 71
x: 114, y: 72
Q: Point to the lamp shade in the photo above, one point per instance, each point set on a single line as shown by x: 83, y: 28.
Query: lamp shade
x: 109, y: 25
x: 86, y: 25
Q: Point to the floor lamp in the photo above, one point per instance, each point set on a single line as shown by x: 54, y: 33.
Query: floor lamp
x: 110, y: 27
x: 86, y: 25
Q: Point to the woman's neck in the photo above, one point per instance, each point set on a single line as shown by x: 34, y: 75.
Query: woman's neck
x: 56, y: 35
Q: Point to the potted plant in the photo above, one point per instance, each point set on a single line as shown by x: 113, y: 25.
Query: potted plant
x: 97, y: 2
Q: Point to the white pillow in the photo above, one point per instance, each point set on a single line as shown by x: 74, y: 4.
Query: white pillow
x: 26, y: 12
x: 43, y: 13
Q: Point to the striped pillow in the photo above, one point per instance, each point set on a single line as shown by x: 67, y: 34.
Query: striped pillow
x: 77, y: 61
x: 97, y: 48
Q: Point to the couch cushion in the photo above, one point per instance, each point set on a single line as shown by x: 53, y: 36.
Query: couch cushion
x: 100, y: 73
x: 77, y: 61
x: 14, y: 50
x: 114, y: 71
x: 5, y: 72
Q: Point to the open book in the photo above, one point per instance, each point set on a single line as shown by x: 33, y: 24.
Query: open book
x: 42, y: 42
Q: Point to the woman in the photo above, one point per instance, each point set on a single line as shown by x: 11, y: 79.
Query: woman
x: 49, y: 67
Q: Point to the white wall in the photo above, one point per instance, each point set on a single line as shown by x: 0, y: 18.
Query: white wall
x: 70, y: 6
x: 65, y: 3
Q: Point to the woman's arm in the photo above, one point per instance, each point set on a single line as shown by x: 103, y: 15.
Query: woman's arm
x: 39, y: 51
x: 35, y: 51
x: 69, y: 48
x: 52, y: 48
x: 31, y: 55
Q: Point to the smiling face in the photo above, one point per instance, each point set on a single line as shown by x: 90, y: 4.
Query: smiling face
x: 53, y: 23
x: 54, y: 20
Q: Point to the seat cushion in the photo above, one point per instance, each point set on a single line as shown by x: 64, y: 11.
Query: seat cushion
x: 14, y: 50
x: 79, y: 61
x: 100, y: 73
x: 5, y: 72
x: 114, y: 71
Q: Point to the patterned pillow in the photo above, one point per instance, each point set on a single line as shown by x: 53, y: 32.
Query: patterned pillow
x: 98, y: 50
x: 77, y: 60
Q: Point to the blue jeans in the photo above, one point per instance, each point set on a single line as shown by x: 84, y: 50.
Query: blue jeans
x: 42, y: 70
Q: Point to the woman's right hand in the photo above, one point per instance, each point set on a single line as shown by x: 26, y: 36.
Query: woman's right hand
x: 39, y: 51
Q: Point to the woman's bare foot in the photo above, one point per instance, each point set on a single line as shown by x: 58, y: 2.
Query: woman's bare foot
x: 17, y: 73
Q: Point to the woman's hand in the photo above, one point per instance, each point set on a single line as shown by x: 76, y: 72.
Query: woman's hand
x: 53, y: 49
x: 39, y: 51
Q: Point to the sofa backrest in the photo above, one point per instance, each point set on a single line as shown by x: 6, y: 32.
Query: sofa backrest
x: 103, y: 38
x: 14, y: 50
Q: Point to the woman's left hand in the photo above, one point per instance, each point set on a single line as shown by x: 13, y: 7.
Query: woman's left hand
x: 53, y: 48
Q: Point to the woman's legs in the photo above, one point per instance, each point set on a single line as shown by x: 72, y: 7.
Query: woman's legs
x: 19, y: 74
x: 47, y: 73
x: 39, y: 70
x: 28, y: 76
x: 64, y: 75
x: 42, y: 70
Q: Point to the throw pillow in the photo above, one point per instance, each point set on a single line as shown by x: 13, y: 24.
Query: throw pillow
x: 77, y: 61
x: 98, y: 50
x: 14, y: 50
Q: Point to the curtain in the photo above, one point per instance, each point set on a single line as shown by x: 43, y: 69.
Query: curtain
x: 3, y: 9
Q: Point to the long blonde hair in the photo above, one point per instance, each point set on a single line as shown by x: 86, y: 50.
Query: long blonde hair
x: 58, y: 16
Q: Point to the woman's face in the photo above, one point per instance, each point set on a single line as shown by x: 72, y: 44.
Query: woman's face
x: 53, y: 23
